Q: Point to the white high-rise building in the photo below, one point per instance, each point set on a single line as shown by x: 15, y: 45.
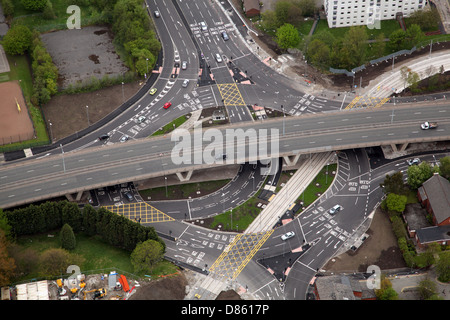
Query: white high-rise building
x: 346, y: 13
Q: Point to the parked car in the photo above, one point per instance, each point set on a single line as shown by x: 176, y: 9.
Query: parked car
x: 287, y: 235
x: 129, y: 196
x: 167, y: 105
x: 335, y: 210
x: 412, y: 162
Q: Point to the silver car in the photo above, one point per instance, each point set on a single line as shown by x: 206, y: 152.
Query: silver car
x: 185, y: 83
x: 218, y: 58
x: 203, y: 26
x: 288, y: 235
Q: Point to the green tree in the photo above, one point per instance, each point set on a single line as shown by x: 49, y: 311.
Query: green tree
x: 427, y: 289
x: 355, y: 40
x: 17, y: 40
x: 287, y: 36
x: 146, y: 255
x: 282, y: 11
x: 444, y: 167
x: 71, y: 215
x: 397, y: 40
x: 386, y: 292
x: 54, y: 262
x: 67, y: 237
x: 34, y: 5
x: 319, y: 53
x: 443, y: 267
x: 413, y: 36
x: 418, y: 174
x: 394, y: 184
x: 379, y: 46
x: 396, y: 202
x: 7, y: 264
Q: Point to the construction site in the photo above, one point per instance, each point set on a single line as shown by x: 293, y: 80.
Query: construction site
x: 112, y: 286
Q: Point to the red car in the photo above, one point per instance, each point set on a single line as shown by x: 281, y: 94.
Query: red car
x: 167, y: 105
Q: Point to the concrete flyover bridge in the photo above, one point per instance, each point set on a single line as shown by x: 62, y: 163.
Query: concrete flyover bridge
x: 75, y: 172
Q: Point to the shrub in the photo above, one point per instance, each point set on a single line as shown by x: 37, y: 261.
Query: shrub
x: 67, y: 237
x: 17, y: 40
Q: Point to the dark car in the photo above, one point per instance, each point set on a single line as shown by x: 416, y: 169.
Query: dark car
x: 129, y: 196
x: 103, y: 137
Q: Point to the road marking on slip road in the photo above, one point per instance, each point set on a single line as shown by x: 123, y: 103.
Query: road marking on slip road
x: 140, y: 211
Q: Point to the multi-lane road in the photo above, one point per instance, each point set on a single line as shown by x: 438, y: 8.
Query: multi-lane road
x: 238, y: 79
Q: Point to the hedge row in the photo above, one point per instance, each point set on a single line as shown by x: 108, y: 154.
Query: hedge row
x: 114, y: 229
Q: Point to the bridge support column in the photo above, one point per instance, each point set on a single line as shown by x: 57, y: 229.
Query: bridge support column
x: 291, y: 160
x: 74, y: 197
x: 185, y: 176
x: 403, y: 147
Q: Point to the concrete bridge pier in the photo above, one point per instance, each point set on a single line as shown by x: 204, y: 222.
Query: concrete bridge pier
x: 75, y: 196
x: 185, y: 176
x: 401, y: 147
x: 290, y: 161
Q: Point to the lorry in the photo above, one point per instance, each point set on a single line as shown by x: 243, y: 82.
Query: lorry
x: 428, y: 125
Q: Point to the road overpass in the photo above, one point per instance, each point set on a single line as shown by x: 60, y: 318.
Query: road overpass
x: 75, y: 172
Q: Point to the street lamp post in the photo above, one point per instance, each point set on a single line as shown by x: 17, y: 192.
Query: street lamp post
x: 62, y: 153
x: 87, y: 113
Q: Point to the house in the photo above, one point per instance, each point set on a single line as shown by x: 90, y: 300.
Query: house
x: 342, y: 287
x: 251, y: 8
x: 434, y: 195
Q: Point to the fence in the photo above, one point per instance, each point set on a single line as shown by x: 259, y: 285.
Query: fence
x: 388, y: 57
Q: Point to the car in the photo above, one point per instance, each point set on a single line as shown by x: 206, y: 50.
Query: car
x: 167, y: 105
x: 157, y: 14
x: 287, y: 235
x: 203, y: 26
x: 412, y: 162
x: 185, y: 83
x: 184, y: 65
x: 129, y: 196
x: 225, y: 36
x: 124, y: 138
x: 218, y: 58
x: 335, y: 209
x: 103, y: 137
x: 428, y: 125
x: 141, y: 119
x: 152, y: 91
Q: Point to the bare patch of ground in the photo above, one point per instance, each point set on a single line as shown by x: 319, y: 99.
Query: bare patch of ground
x: 82, y: 53
x: 379, y: 249
x: 68, y: 113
